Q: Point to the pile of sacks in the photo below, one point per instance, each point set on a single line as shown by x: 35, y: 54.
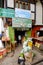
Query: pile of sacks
x: 27, y: 49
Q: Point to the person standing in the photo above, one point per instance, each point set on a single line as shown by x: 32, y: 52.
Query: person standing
x: 19, y: 39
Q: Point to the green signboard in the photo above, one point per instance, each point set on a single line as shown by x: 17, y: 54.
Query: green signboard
x: 6, y: 12
x: 21, y: 22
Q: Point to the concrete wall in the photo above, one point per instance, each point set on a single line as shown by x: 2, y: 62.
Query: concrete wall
x: 38, y: 13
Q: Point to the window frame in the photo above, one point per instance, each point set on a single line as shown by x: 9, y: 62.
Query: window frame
x: 1, y: 3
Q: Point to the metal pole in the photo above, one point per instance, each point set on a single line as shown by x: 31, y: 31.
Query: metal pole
x: 42, y: 13
x: 5, y: 7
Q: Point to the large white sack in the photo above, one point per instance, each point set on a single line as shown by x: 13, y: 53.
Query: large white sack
x: 1, y: 25
x: 1, y: 44
x: 26, y: 49
x: 25, y: 43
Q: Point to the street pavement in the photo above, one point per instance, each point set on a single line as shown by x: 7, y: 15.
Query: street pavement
x: 38, y: 57
x: 8, y: 60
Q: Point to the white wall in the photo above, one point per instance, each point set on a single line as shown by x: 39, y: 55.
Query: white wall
x: 38, y: 13
x: 32, y: 9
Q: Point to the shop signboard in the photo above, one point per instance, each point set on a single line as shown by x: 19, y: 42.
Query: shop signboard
x: 21, y: 22
x: 22, y: 13
x: 6, y: 12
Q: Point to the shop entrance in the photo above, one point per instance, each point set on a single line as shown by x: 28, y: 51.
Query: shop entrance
x: 19, y: 34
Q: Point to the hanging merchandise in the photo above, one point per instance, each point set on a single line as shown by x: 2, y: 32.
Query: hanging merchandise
x: 11, y: 34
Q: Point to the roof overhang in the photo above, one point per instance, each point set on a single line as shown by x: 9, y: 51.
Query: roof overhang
x: 28, y: 1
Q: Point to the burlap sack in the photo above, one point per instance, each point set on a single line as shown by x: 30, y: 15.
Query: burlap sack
x: 28, y: 56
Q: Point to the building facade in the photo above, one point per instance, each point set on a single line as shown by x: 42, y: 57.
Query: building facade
x: 12, y: 4
x: 35, y: 6
x: 27, y: 5
x: 38, y: 26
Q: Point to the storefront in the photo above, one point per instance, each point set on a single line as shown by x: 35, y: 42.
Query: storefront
x: 22, y: 23
x: 22, y: 34
x: 22, y: 27
x: 37, y: 34
x: 35, y: 29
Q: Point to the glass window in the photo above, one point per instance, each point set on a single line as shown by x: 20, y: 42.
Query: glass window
x: 23, y: 6
x: 32, y: 16
x: 20, y: 5
x: 26, y: 7
x: 10, y: 3
x: 32, y: 7
x: 16, y: 5
x: 2, y: 3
